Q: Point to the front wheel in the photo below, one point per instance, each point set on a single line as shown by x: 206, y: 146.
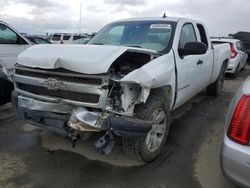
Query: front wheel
x: 147, y: 149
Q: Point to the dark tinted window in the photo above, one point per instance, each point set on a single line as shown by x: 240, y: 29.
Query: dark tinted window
x: 56, y: 37
x: 187, y: 35
x: 78, y: 37
x: 66, y: 37
x: 202, y: 34
x: 7, y: 36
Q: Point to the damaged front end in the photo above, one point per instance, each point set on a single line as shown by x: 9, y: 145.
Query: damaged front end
x: 76, y: 105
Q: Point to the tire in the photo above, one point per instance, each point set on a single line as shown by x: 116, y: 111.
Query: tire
x: 5, y: 91
x: 215, y: 89
x: 141, y: 148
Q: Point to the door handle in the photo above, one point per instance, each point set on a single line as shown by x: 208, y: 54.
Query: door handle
x: 200, y: 62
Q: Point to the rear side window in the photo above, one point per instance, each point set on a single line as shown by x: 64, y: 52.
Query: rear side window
x: 203, y: 35
x: 240, y: 46
x: 66, y: 37
x: 56, y: 37
x: 7, y: 36
x: 187, y: 35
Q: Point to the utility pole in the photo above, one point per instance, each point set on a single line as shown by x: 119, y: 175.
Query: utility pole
x: 80, y: 24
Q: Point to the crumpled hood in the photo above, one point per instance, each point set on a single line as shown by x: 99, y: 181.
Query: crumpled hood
x: 88, y: 59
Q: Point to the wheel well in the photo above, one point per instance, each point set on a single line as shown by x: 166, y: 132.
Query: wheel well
x: 165, y: 92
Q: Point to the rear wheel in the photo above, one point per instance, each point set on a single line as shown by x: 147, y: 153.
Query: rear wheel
x: 147, y: 149
x: 215, y: 89
x: 5, y: 91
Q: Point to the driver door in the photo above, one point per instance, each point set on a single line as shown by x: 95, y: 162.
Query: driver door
x: 190, y: 79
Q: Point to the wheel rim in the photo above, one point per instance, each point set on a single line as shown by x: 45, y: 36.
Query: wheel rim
x: 156, y: 135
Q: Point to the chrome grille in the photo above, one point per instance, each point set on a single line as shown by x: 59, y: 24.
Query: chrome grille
x: 74, y: 96
x: 59, y: 77
x: 71, y: 87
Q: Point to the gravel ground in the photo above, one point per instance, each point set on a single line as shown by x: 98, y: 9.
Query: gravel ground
x: 32, y: 157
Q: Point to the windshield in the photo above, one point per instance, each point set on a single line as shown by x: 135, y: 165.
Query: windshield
x: 153, y: 35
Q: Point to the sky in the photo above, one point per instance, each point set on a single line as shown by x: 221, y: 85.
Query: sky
x: 41, y: 16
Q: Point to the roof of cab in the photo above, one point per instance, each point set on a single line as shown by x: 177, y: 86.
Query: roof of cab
x: 170, y: 19
x: 173, y: 19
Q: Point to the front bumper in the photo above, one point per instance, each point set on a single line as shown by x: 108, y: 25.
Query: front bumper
x: 65, y: 118
x: 235, y: 162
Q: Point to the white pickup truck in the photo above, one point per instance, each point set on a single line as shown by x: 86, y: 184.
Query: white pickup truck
x: 124, y: 83
x: 11, y: 45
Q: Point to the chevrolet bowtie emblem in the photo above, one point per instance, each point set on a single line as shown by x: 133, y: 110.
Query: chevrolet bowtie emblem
x: 53, y: 84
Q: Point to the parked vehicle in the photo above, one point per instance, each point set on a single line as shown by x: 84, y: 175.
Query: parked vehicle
x: 37, y: 40
x: 11, y: 45
x: 82, y: 41
x: 67, y: 38
x: 245, y: 38
x: 123, y: 83
x: 235, y: 152
x: 238, y: 59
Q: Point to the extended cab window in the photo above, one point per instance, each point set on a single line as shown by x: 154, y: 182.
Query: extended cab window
x: 7, y: 36
x: 203, y: 35
x: 187, y: 35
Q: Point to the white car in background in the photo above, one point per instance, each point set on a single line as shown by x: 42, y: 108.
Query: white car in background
x: 11, y: 45
x: 239, y: 56
x: 67, y: 38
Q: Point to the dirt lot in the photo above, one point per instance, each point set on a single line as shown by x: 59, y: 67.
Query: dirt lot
x: 32, y: 157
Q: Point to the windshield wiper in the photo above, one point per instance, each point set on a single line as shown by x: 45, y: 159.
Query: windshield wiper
x: 133, y: 46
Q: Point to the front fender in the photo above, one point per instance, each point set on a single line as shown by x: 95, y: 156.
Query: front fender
x: 158, y: 73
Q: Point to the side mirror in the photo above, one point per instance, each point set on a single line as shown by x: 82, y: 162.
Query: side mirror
x: 193, y: 48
